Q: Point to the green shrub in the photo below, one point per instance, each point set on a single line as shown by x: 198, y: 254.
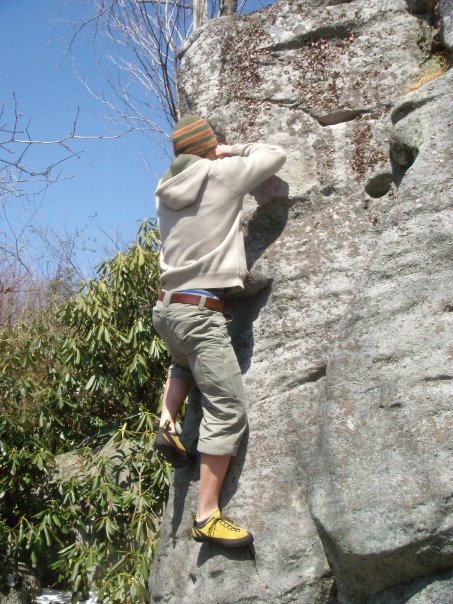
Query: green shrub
x: 85, y: 377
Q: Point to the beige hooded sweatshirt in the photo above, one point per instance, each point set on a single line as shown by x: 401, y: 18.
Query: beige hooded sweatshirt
x: 199, y: 214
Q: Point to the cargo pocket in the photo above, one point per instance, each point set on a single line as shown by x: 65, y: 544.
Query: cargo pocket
x: 217, y: 373
x: 158, y: 323
x: 235, y: 377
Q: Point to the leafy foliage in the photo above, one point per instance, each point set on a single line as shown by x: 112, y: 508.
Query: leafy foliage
x: 81, y: 490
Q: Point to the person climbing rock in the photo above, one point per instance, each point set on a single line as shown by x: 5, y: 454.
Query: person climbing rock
x: 199, y: 202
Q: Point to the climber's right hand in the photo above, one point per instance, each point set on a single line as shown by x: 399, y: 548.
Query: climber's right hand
x: 223, y: 151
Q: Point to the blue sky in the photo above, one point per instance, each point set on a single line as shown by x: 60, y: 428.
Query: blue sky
x: 108, y: 191
x: 110, y: 180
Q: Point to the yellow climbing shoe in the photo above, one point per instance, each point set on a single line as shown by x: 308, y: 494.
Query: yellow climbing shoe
x: 169, y: 445
x: 222, y: 530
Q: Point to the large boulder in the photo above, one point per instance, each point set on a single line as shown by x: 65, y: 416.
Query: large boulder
x: 381, y: 491
x: 21, y: 587
x: 323, y: 79
x: 446, y: 16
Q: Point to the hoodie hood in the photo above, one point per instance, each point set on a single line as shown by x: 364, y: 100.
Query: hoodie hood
x: 181, y: 184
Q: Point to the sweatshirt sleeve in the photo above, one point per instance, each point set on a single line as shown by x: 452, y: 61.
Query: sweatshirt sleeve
x: 250, y: 164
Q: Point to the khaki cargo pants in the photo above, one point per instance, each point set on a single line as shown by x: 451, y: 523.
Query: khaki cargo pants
x: 198, y: 341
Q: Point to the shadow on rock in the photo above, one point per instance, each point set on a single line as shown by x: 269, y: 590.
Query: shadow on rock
x: 264, y: 228
x: 211, y: 550
x: 269, y: 219
x: 182, y: 479
x: 245, y: 311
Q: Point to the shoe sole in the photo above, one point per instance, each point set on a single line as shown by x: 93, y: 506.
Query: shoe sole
x: 176, y: 457
x: 231, y: 543
x: 173, y: 457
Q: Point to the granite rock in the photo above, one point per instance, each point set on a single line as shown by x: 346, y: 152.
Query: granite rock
x: 431, y: 590
x: 446, y: 16
x: 22, y: 586
x: 381, y: 489
x: 324, y: 79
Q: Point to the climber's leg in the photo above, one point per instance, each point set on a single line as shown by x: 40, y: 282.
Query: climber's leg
x: 209, y: 523
x: 175, y: 393
x: 167, y: 440
x: 212, y: 473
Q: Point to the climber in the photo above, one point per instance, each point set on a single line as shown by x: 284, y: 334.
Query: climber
x: 199, y: 202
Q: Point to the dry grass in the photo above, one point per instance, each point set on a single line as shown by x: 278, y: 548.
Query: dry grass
x: 434, y: 71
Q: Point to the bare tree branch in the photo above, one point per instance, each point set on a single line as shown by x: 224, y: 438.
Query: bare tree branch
x: 31, y: 256
x: 144, y: 38
x: 16, y: 143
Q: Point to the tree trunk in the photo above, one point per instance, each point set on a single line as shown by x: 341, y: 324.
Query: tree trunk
x: 227, y: 7
x: 200, y: 13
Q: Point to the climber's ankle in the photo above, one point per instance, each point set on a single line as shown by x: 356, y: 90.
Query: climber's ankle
x: 205, y: 513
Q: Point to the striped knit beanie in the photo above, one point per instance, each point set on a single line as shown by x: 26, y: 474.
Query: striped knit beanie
x: 193, y: 135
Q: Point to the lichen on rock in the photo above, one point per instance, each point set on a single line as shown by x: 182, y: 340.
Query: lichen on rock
x: 344, y: 331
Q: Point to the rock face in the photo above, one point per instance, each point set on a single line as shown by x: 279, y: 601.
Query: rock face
x: 22, y: 587
x: 381, y: 478
x: 343, y: 332
x: 446, y: 15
